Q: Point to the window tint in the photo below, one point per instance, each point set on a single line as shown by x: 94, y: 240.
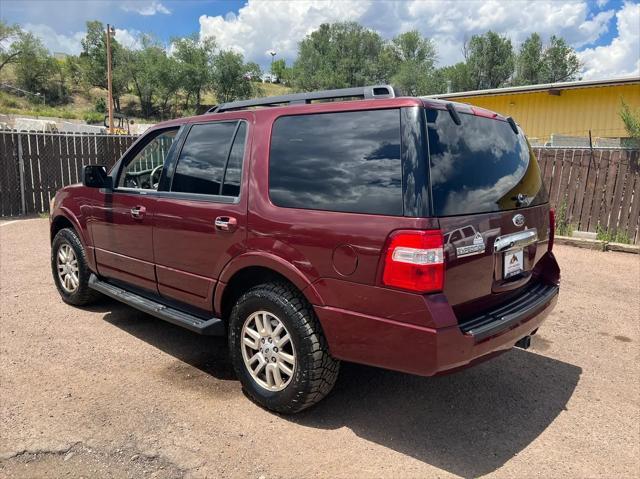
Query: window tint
x: 338, y: 161
x: 203, y: 158
x: 455, y: 236
x: 480, y: 166
x: 468, y: 231
x: 233, y: 174
x: 144, y: 170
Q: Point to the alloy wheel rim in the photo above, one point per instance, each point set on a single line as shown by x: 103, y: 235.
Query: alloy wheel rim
x: 67, y: 265
x: 268, y: 351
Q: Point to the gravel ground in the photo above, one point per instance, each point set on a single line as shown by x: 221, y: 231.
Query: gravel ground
x: 110, y: 392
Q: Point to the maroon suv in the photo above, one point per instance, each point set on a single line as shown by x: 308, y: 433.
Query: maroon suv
x: 407, y: 233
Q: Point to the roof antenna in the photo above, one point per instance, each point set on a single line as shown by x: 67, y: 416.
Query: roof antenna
x: 454, y: 114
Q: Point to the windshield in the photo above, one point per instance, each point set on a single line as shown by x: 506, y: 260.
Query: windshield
x: 480, y: 166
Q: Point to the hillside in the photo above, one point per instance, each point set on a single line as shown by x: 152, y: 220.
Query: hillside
x: 82, y: 104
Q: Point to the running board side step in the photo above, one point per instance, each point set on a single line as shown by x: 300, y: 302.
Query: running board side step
x: 210, y: 327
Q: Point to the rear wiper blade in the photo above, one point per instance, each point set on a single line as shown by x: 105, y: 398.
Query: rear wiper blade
x: 454, y: 114
x: 512, y: 124
x: 521, y: 199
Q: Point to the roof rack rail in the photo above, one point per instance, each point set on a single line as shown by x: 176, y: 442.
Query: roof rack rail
x: 363, y: 92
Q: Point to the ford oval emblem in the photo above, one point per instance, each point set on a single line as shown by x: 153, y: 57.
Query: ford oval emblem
x: 518, y: 220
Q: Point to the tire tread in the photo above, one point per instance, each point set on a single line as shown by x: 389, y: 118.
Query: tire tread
x: 323, y: 371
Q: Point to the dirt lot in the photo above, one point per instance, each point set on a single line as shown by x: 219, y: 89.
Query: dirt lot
x: 111, y: 392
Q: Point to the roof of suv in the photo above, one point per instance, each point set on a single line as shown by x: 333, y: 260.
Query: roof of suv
x: 364, y: 98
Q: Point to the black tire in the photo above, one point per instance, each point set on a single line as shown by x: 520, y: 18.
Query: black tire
x: 315, y: 372
x: 82, y: 295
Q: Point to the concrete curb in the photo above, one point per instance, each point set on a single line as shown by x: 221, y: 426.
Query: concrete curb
x: 597, y: 245
x: 581, y: 242
x: 625, y: 248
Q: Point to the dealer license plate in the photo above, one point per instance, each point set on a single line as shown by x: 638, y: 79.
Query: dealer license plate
x: 513, y: 263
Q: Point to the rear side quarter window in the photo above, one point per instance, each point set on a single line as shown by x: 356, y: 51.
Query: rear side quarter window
x: 346, y: 161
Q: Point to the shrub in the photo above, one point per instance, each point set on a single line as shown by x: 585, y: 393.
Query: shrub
x: 563, y: 227
x: 604, y: 234
x: 93, y: 117
x: 101, y: 105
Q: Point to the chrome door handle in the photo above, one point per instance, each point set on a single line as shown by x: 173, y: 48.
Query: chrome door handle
x: 138, y: 212
x: 515, y: 240
x: 226, y: 223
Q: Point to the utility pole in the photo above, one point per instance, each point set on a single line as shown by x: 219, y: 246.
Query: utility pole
x: 110, y: 31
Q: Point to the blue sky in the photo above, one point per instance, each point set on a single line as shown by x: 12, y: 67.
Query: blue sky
x: 605, y: 32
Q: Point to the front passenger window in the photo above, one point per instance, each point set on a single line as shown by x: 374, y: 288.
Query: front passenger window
x: 144, y: 170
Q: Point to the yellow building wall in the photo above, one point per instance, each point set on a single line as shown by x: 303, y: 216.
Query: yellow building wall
x: 573, y: 113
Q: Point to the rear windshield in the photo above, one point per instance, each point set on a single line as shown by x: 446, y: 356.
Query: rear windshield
x: 480, y: 166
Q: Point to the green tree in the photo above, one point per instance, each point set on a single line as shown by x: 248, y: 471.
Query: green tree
x: 34, y: 65
x: 338, y: 55
x: 529, y: 63
x: 8, y: 53
x: 169, y: 83
x: 144, y: 68
x: 559, y: 62
x: 196, y: 63
x: 538, y: 63
x: 408, y: 60
x: 229, y: 79
x: 490, y: 60
x: 253, y: 71
x: 452, y: 78
x: 94, y: 61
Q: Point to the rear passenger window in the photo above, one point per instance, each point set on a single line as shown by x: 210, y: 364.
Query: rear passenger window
x: 348, y: 161
x: 203, y: 160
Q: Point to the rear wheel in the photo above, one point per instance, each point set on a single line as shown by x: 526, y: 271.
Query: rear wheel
x: 70, y: 270
x: 278, y: 350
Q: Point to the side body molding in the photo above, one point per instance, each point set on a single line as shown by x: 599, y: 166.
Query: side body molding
x: 270, y: 261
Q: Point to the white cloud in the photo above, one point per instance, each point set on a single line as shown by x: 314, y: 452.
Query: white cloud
x: 57, y: 42
x: 259, y: 26
x: 145, y: 8
x: 622, y: 56
x: 129, y: 38
x: 71, y: 43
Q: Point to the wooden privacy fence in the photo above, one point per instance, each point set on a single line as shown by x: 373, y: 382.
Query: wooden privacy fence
x: 596, y: 189
x: 34, y: 165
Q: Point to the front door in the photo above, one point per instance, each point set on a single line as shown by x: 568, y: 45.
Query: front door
x: 200, y: 219
x: 122, y: 219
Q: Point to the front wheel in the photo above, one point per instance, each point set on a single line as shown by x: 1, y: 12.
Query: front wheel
x: 278, y: 350
x: 70, y: 270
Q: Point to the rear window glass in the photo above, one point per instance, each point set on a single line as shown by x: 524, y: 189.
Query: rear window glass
x: 480, y: 166
x: 348, y: 161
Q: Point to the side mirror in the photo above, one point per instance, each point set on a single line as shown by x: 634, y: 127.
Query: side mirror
x: 95, y: 176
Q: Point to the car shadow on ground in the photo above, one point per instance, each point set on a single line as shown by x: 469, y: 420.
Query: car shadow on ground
x: 469, y: 423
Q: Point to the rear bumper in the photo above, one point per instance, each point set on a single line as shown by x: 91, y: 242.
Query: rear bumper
x: 426, y: 351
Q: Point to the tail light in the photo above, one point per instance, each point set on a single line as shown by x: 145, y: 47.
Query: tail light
x: 552, y: 228
x: 414, y: 260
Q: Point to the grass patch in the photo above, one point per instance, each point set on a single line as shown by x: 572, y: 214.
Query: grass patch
x: 604, y: 234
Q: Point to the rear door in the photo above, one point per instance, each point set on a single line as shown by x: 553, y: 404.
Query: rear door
x: 200, y: 219
x: 488, y: 195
